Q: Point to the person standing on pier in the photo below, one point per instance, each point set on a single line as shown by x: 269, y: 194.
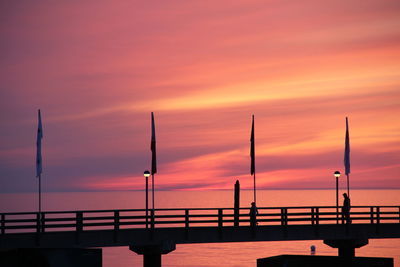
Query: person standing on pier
x: 346, y: 209
x: 253, y: 214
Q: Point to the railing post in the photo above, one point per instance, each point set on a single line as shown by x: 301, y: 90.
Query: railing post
x: 284, y: 219
x: 220, y: 222
x: 153, y: 219
x: 312, y: 216
x: 116, y: 220
x: 377, y: 220
x: 372, y: 214
x: 38, y: 228
x: 79, y: 221
x: 78, y: 225
x: 399, y: 214
x: 315, y: 215
x: 220, y: 218
x: 42, y: 222
x: 337, y: 215
x: 38, y: 222
x: 3, y: 224
x: 147, y: 218
x: 186, y: 224
x: 116, y: 225
x: 186, y: 218
x: 378, y: 215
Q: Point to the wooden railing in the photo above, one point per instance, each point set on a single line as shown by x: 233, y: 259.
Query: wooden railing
x: 78, y: 221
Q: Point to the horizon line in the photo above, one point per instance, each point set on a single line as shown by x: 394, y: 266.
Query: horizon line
x: 202, y: 190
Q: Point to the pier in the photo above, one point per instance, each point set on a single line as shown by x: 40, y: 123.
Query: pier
x: 160, y: 231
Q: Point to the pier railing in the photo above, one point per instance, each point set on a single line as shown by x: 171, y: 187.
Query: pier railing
x: 24, y: 222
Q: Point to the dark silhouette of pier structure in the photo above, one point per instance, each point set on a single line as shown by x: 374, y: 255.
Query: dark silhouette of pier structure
x: 159, y: 233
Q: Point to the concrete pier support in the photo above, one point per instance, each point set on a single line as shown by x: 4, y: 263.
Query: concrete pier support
x: 346, y: 247
x: 152, y: 252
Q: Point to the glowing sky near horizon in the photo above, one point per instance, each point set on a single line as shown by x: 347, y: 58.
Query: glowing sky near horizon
x: 97, y: 69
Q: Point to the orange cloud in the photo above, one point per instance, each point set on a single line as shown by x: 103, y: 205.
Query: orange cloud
x: 98, y: 70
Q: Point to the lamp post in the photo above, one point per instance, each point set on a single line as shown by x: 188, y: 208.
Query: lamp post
x: 146, y: 175
x: 337, y: 175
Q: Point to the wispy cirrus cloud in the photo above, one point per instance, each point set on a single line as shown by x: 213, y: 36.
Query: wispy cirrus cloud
x: 98, y: 68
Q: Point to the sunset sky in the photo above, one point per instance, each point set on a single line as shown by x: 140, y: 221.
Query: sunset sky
x: 98, y: 68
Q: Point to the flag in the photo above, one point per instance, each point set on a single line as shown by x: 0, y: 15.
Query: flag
x: 252, y: 149
x: 153, y: 146
x: 39, y: 146
x: 347, y: 150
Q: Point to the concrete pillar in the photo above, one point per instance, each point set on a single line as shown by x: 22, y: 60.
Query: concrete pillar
x: 152, y: 260
x: 152, y: 252
x: 346, y: 247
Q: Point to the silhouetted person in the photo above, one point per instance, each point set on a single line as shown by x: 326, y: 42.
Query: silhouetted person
x: 253, y: 214
x: 346, y: 209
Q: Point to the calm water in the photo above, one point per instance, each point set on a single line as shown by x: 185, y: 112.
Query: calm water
x: 221, y: 254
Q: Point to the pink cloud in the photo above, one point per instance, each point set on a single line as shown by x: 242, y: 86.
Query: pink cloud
x: 97, y: 69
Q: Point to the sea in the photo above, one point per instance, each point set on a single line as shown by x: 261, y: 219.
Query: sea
x: 243, y: 254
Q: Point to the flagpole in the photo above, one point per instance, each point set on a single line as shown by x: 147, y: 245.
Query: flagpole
x: 347, y: 156
x: 40, y: 196
x: 39, y: 159
x: 253, y: 156
x: 254, y: 177
x: 152, y: 189
x: 153, y: 158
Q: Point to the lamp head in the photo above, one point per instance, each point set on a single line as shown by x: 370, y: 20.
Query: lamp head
x: 336, y: 174
x: 146, y: 173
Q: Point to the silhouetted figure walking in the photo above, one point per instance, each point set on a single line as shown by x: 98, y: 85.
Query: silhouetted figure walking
x: 346, y: 209
x: 253, y: 214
